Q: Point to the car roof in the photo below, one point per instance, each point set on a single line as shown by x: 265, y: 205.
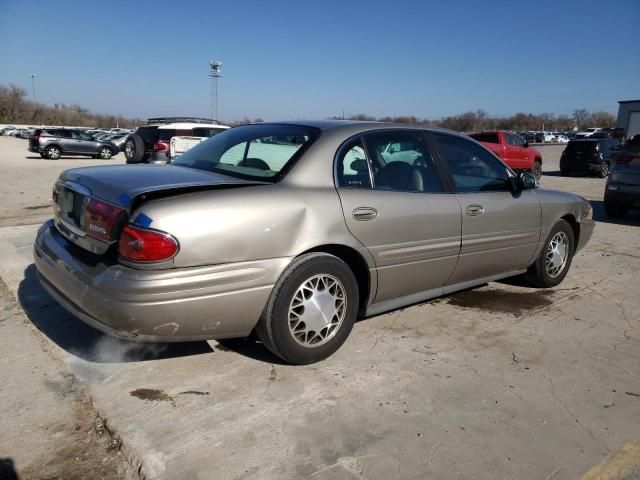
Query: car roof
x: 187, y: 126
x: 357, y: 126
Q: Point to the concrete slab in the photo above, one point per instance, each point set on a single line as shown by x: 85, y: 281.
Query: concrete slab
x: 499, y: 382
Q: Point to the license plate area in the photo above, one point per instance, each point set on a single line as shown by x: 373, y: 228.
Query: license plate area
x: 71, y: 206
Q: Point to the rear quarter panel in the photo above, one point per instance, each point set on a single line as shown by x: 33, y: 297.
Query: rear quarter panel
x: 249, y: 223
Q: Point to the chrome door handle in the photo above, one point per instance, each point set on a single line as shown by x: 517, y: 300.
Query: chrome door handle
x: 474, y: 210
x: 365, y: 213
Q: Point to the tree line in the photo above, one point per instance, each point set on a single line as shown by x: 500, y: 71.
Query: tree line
x: 481, y: 120
x: 15, y: 108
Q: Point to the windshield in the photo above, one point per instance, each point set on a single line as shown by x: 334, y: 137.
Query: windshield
x: 258, y: 152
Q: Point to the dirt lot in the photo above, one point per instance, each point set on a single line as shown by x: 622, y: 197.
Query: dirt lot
x: 502, y: 381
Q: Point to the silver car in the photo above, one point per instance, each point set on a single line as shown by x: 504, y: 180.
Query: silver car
x: 622, y: 192
x: 296, y: 229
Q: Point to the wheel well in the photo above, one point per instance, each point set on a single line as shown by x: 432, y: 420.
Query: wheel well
x: 53, y: 145
x: 538, y: 159
x: 356, y: 263
x: 575, y: 226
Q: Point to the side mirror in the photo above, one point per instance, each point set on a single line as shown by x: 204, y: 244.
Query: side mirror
x: 526, y: 181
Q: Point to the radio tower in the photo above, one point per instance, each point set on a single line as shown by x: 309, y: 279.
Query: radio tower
x: 215, y: 68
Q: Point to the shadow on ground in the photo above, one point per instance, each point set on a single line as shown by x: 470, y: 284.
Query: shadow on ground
x: 599, y: 215
x: 7, y: 469
x: 85, y: 342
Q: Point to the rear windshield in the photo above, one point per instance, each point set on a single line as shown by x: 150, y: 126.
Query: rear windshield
x: 582, y: 146
x: 485, y: 137
x: 258, y: 152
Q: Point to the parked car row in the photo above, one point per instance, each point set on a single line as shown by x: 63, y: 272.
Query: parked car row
x: 15, y: 132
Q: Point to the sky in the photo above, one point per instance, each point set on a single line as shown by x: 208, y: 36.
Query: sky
x: 315, y: 59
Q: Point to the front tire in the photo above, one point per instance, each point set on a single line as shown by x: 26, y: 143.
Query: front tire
x: 311, y: 310
x: 554, y: 260
x: 604, y: 170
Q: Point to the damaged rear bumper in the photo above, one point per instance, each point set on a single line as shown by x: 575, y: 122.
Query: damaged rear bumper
x: 182, y: 304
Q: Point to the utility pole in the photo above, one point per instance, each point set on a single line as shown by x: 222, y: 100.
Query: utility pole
x: 215, y: 72
x: 33, y: 86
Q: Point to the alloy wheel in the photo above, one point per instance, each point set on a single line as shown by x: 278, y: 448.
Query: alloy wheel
x: 54, y: 153
x: 130, y: 148
x: 105, y: 153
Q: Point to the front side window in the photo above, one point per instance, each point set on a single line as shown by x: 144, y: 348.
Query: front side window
x: 516, y: 141
x: 353, y: 166
x: 401, y: 161
x: 260, y: 152
x: 473, y: 168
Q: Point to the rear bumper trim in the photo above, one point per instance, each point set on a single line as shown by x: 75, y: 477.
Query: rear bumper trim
x: 178, y: 304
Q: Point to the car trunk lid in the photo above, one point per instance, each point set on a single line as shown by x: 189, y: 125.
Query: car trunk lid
x: 93, y: 204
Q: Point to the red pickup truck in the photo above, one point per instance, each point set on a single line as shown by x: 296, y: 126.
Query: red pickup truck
x: 513, y: 150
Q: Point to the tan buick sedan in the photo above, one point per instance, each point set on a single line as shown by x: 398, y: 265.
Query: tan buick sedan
x: 294, y: 230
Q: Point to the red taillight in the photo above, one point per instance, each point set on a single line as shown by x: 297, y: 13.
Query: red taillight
x: 160, y: 147
x: 623, y: 159
x: 141, y: 245
x: 100, y: 218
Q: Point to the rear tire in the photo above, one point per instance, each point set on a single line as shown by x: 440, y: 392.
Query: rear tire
x: 537, y: 169
x: 564, y: 173
x: 615, y: 209
x: 105, y: 153
x: 311, y: 310
x: 53, y: 152
x: 134, y: 149
x: 554, y: 260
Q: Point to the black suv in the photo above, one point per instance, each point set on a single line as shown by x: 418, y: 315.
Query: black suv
x: 591, y: 156
x: 52, y: 143
x: 152, y: 142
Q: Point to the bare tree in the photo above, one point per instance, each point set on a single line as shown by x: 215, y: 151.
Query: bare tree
x: 579, y: 116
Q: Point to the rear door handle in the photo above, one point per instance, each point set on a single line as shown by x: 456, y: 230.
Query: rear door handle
x: 365, y: 213
x: 474, y: 210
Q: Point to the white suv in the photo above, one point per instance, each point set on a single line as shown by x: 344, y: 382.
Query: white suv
x: 152, y: 142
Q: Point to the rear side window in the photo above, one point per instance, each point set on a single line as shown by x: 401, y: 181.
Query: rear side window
x: 353, y: 167
x: 402, y: 162
x: 485, y: 137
